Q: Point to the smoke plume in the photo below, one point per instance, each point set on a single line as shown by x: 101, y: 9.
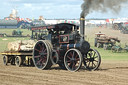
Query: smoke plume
x: 101, y: 5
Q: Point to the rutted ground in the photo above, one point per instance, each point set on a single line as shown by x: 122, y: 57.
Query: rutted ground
x: 110, y: 73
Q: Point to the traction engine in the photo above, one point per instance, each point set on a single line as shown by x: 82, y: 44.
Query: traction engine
x: 62, y: 44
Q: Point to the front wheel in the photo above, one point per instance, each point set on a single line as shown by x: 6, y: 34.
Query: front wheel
x: 92, y: 60
x: 73, y: 60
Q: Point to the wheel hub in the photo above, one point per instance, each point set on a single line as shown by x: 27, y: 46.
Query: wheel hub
x: 91, y: 59
x: 42, y: 54
x: 72, y: 59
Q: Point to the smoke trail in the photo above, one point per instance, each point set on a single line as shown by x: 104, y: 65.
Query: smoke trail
x: 101, y: 5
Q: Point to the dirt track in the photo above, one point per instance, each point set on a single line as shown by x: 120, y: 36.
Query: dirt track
x: 110, y: 73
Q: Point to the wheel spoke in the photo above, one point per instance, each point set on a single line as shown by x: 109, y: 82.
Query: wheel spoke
x: 89, y: 55
x: 70, y: 54
x: 89, y: 64
x: 94, y: 64
x: 45, y: 50
x: 95, y: 60
x: 70, y: 64
x: 68, y: 57
x: 77, y: 59
x: 37, y: 56
x: 76, y: 56
x: 44, y: 57
x: 94, y: 54
x: 86, y: 59
x: 43, y: 61
x: 44, y: 53
x: 37, y: 50
x: 69, y: 61
x: 39, y: 61
x: 73, y: 54
x: 96, y: 57
x: 73, y: 65
x: 40, y: 47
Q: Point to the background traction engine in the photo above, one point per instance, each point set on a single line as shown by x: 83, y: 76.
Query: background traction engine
x: 62, y: 44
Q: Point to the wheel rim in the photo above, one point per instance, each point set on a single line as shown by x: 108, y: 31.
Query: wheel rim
x: 54, y: 57
x: 40, y: 54
x: 73, y: 60
x: 17, y: 61
x: 92, y: 60
x: 5, y: 60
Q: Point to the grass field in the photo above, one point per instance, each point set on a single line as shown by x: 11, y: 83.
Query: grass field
x: 9, y: 31
x: 4, y: 40
x: 106, y: 54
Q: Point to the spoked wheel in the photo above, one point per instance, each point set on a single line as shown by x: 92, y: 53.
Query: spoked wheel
x: 5, y: 60
x: 41, y: 55
x: 18, y: 61
x: 73, y: 60
x: 54, y: 57
x: 92, y: 60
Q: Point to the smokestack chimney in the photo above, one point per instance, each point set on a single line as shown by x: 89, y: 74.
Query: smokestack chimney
x: 82, y: 26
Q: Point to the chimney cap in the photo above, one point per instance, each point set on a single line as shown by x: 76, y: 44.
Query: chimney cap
x: 82, y: 18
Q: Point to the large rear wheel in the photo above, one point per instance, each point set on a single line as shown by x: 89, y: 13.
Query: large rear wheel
x: 41, y: 55
x: 92, y: 60
x: 73, y: 60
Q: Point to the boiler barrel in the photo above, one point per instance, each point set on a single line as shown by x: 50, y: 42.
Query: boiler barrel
x: 69, y: 46
x: 84, y: 46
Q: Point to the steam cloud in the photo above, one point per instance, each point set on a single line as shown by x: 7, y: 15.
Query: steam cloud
x: 101, y: 5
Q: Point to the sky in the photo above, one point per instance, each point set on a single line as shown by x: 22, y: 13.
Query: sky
x: 54, y: 9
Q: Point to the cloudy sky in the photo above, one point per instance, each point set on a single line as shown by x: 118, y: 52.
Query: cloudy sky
x: 53, y: 9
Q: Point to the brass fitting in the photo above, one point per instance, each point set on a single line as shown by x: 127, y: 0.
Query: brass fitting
x: 82, y: 18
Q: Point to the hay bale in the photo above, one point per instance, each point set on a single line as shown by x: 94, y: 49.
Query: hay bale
x: 24, y: 48
x: 14, y: 46
x: 26, y: 45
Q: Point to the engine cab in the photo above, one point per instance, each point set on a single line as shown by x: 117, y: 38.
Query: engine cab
x: 58, y: 34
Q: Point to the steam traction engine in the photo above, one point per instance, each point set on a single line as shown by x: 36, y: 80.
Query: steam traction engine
x: 62, y: 44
